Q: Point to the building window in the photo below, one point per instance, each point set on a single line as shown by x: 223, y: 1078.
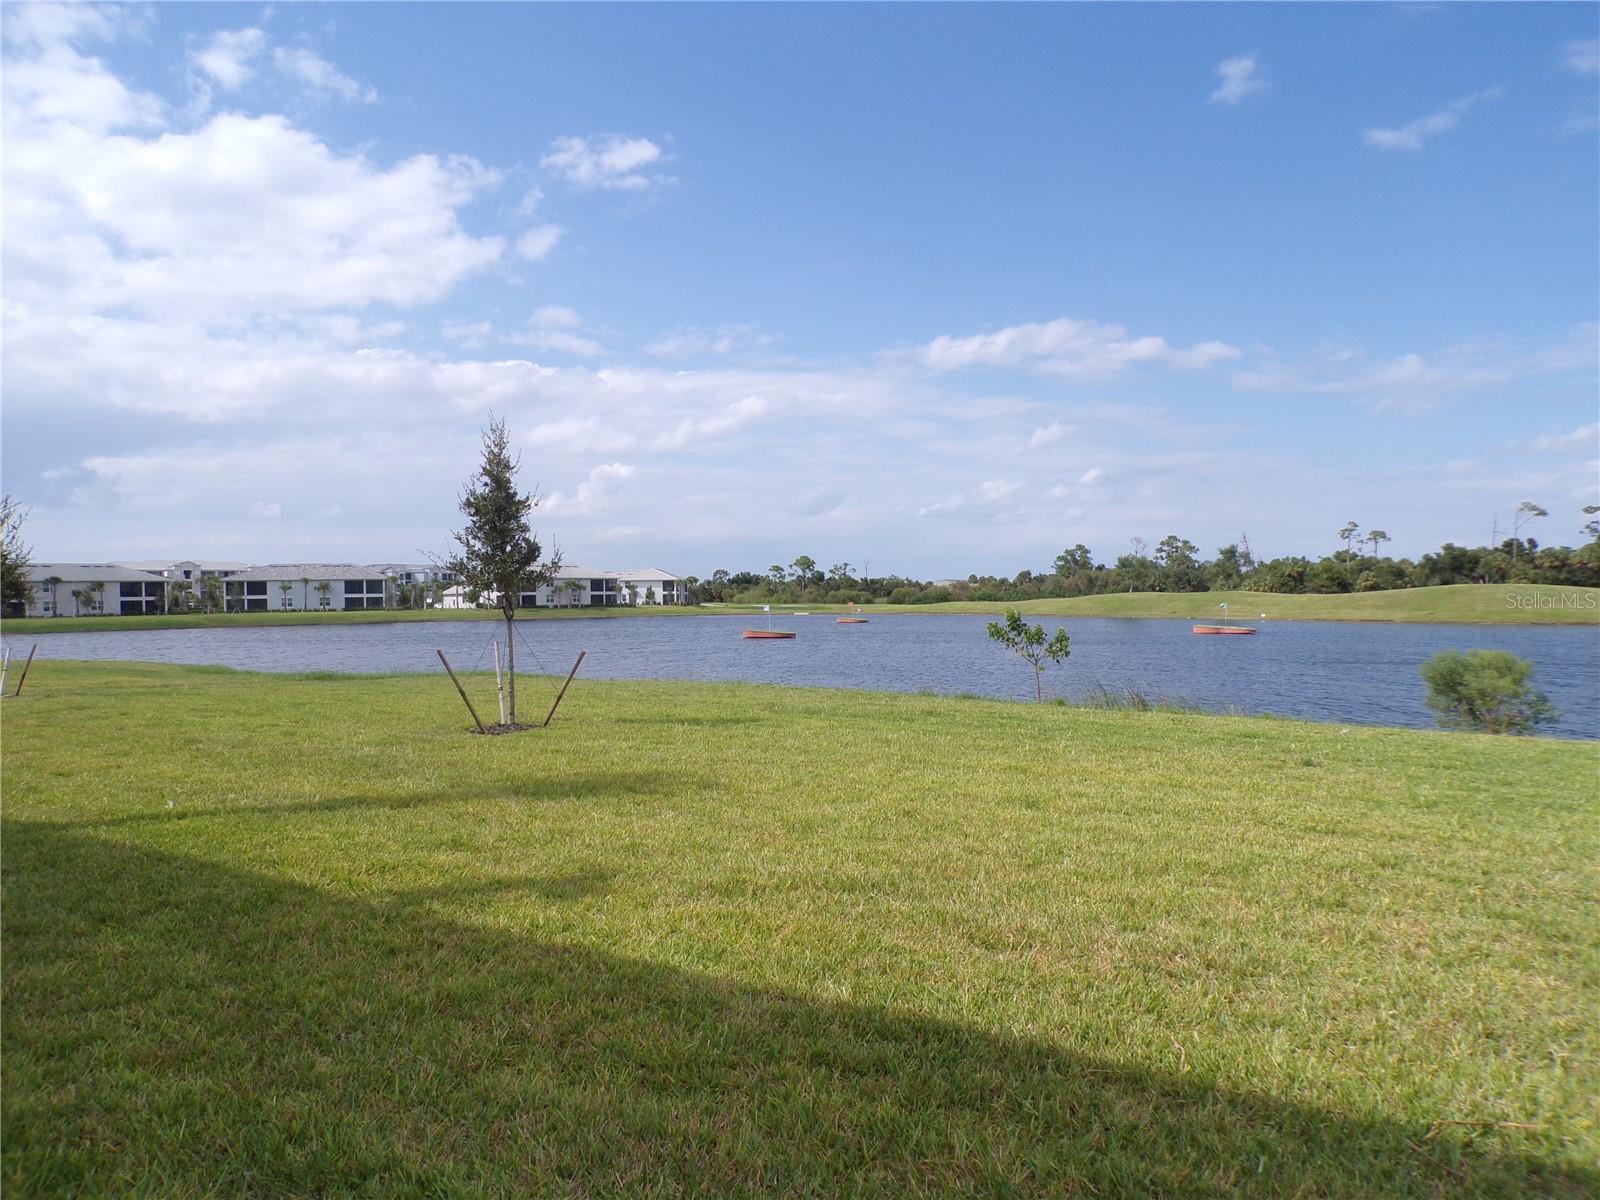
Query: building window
x: 253, y: 587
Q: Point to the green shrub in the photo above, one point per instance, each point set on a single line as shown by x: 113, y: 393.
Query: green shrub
x: 1486, y: 690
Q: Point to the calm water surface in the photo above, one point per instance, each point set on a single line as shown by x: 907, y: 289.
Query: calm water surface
x: 1320, y: 670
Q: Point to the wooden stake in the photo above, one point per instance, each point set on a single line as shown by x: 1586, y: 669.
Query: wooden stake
x: 5, y: 666
x: 462, y: 690
x: 564, y: 687
x: 25, y: 667
x: 499, y: 688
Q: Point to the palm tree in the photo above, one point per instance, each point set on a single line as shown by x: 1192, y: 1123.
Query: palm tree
x: 55, y: 582
x: 1526, y: 511
x: 82, y: 598
x: 304, y: 584
x: 98, y: 587
x: 284, y: 587
x: 324, y: 589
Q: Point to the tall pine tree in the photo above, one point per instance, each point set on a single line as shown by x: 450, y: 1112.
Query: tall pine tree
x: 499, y: 555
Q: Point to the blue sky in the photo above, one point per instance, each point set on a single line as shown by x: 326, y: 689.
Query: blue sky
x: 940, y: 288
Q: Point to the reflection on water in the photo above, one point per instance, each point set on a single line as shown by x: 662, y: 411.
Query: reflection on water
x: 1325, y: 671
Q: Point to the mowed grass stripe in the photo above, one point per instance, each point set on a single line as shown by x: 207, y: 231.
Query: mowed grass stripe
x: 283, y: 935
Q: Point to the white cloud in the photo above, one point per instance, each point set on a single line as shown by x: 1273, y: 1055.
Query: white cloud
x: 1073, y: 349
x: 1582, y: 55
x: 1412, y: 135
x: 604, y: 162
x: 594, y: 494
x: 1585, y: 438
x: 50, y: 88
x: 557, y: 339
x: 1239, y: 79
x: 468, y: 334
x: 1202, y: 355
x: 529, y: 204
x: 317, y: 74
x: 1048, y: 435
x: 228, y: 58
x: 555, y: 316
x: 262, y: 508
x: 538, y: 242
x: 241, y: 215
x: 555, y: 327
x: 1581, y: 123
x: 1413, y: 381
x: 41, y: 25
x: 695, y: 341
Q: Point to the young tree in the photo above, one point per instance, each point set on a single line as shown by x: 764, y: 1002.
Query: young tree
x: 1486, y: 690
x: 212, y: 593
x: 1030, y: 644
x: 15, y: 557
x: 498, y: 552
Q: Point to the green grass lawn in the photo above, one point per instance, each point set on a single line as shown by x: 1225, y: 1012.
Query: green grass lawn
x: 294, y: 936
x: 1499, y: 604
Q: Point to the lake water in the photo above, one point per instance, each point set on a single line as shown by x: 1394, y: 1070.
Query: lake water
x: 1323, y: 671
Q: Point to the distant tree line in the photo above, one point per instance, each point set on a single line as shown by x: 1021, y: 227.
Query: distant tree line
x: 1175, y: 565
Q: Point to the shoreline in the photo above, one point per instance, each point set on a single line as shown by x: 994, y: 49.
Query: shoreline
x: 1453, y: 604
x: 1090, y: 700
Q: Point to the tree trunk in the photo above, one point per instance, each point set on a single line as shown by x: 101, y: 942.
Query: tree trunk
x: 1038, y: 687
x: 511, y: 673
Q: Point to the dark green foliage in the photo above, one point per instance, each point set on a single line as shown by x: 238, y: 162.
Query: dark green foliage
x: 15, y: 588
x: 1485, y: 690
x: 1029, y: 643
x: 499, y: 553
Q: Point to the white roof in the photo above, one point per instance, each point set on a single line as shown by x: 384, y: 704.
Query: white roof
x: 166, y: 564
x: 647, y: 573
x: 298, y: 571
x: 90, y: 573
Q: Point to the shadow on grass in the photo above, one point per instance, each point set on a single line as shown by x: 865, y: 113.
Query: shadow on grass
x: 597, y: 786
x: 179, y: 1028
